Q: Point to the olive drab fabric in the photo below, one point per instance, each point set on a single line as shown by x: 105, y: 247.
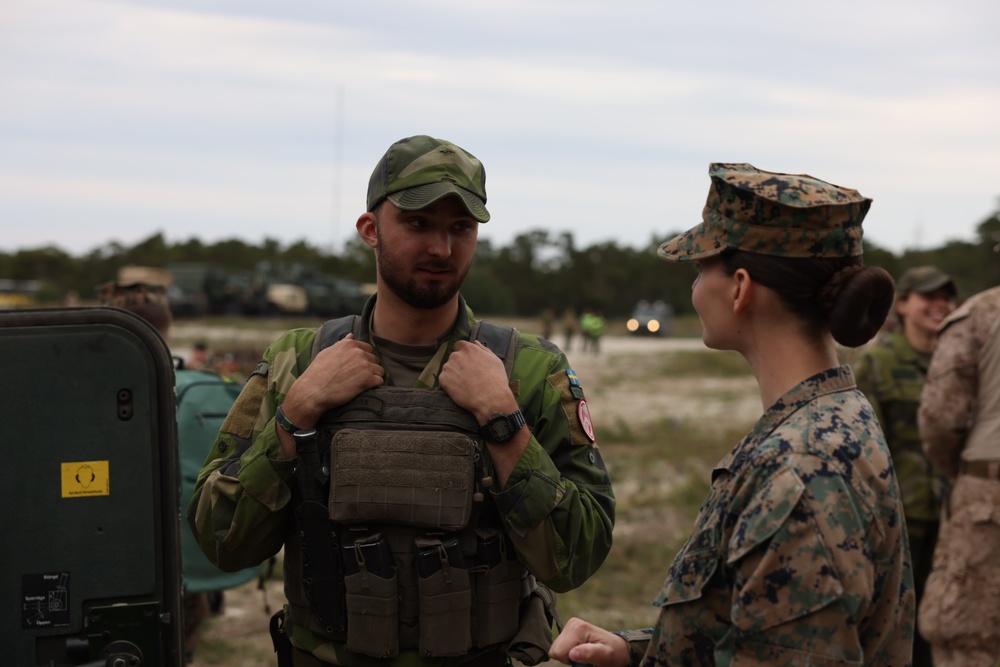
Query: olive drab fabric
x: 798, y: 555
x: 417, y: 171
x: 557, y: 508
x: 891, y: 374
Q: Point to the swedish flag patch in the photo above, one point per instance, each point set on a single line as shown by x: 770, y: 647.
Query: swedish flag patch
x: 574, y: 383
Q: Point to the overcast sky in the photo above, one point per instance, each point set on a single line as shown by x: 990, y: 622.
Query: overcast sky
x: 249, y: 119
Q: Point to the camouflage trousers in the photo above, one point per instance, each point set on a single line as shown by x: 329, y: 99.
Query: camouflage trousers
x: 960, y: 611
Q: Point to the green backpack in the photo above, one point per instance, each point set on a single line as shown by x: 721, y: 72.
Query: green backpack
x: 203, y: 401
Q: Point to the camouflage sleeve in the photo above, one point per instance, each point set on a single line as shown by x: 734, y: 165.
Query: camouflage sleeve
x: 865, y: 371
x: 948, y: 397
x: 638, y: 644
x: 800, y: 571
x: 558, y: 505
x: 241, y: 500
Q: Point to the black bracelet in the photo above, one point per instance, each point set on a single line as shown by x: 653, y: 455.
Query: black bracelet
x: 284, y: 422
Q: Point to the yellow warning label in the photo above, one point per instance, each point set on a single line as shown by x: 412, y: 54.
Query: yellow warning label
x: 85, y: 478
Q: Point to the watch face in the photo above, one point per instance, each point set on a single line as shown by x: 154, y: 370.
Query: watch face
x: 501, y: 429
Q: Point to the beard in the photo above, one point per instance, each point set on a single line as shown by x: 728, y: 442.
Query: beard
x: 414, y: 293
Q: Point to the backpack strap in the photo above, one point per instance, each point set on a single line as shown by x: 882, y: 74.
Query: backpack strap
x: 333, y: 330
x: 500, y: 340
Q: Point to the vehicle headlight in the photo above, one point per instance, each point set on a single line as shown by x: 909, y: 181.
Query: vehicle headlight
x: 632, y: 324
x: 653, y: 326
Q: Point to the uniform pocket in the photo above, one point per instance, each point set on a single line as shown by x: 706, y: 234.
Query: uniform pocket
x: 963, y: 579
x: 407, y: 478
x: 690, y: 572
x: 372, y: 599
x: 785, y: 569
x: 445, y: 598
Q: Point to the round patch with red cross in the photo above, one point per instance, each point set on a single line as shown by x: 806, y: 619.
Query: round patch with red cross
x: 583, y: 414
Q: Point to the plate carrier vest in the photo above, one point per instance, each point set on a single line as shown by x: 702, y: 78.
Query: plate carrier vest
x: 400, y: 547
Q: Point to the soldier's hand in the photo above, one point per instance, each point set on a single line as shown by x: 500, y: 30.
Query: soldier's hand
x: 475, y: 379
x: 337, y: 374
x: 583, y: 642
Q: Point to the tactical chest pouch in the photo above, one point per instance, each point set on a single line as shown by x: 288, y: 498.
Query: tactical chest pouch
x: 403, y: 456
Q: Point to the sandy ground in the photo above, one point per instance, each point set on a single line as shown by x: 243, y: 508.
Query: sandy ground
x: 621, y: 388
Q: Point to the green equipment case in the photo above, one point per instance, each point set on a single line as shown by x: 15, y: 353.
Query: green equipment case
x: 90, y: 567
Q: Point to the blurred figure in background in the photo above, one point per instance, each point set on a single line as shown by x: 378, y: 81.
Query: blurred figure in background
x: 570, y: 324
x: 959, y: 420
x: 199, y: 360
x: 548, y: 321
x: 891, y: 374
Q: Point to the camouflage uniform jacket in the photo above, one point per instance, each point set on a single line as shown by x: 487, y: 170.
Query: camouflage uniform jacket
x: 959, y: 407
x: 891, y: 374
x: 798, y: 555
x: 557, y: 506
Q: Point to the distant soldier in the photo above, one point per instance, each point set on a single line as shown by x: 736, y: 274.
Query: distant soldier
x: 892, y: 376
x: 199, y: 357
x: 548, y: 321
x: 570, y: 325
x: 592, y: 326
x: 960, y: 423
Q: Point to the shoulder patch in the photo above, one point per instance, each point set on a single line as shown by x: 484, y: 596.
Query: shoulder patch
x: 574, y: 407
x: 586, y: 423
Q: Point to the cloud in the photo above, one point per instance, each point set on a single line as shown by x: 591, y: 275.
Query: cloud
x: 600, y: 118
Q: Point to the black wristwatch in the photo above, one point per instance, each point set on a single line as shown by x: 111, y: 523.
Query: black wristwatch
x: 502, y: 427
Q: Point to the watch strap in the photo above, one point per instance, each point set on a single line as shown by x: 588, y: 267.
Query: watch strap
x: 284, y: 422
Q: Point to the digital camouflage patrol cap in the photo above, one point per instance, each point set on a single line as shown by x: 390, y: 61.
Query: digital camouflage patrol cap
x: 924, y: 280
x: 417, y: 171
x: 786, y: 215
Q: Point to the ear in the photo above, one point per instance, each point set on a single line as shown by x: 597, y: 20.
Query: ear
x: 742, y: 290
x: 366, y: 226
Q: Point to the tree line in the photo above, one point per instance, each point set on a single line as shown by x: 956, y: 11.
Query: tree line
x: 538, y: 270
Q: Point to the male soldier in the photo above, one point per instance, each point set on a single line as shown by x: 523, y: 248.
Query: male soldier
x: 367, y: 537
x: 891, y: 374
x: 959, y: 420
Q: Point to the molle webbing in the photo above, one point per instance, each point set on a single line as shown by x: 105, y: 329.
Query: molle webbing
x: 403, y: 456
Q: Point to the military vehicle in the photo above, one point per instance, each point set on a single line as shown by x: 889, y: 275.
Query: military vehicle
x: 333, y: 297
x: 651, y: 319
x: 91, y: 564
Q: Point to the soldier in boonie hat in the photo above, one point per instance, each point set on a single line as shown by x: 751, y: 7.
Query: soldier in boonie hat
x: 786, y: 215
x: 417, y: 171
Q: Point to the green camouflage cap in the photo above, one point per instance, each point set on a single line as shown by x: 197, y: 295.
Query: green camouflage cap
x: 786, y: 215
x: 924, y: 279
x: 417, y: 171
